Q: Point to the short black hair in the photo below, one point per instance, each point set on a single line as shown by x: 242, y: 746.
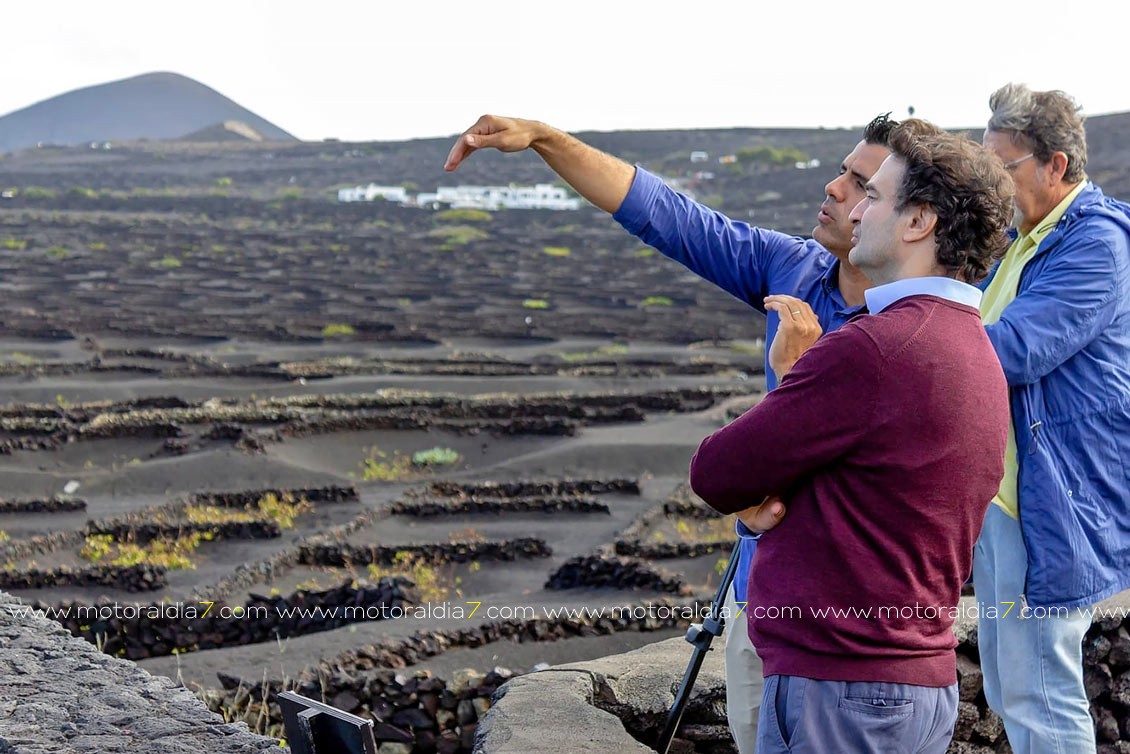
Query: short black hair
x: 878, y: 131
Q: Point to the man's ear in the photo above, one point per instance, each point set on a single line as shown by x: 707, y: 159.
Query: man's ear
x: 1056, y: 168
x: 922, y: 222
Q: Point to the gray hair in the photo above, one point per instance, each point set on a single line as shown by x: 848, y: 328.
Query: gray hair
x: 1048, y: 122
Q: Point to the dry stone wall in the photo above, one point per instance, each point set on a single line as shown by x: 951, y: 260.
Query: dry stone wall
x: 59, y: 694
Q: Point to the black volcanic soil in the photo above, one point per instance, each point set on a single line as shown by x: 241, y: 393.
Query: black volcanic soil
x: 54, y: 433
x: 179, y: 318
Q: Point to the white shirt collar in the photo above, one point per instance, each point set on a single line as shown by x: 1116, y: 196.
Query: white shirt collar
x: 882, y: 296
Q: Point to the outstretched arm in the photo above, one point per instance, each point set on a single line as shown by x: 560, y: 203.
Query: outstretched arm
x: 599, y: 177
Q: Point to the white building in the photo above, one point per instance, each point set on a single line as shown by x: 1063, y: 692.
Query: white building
x: 541, y: 196
x: 372, y: 192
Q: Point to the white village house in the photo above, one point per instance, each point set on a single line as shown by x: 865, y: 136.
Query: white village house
x: 372, y: 192
x: 541, y: 196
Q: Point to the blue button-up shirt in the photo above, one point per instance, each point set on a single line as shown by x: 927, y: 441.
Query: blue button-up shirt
x: 746, y: 261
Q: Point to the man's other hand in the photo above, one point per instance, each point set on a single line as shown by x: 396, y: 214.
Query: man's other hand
x: 798, y: 330
x: 761, y: 518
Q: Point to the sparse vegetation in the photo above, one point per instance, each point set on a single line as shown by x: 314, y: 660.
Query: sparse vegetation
x: 766, y: 155
x: 379, y: 466
x: 173, y: 554
x: 468, y: 534
x: 696, y: 531
x: 656, y: 301
x: 435, y: 457
x: 337, y: 330
x: 746, y: 348
x: 463, y: 216
x: 612, y: 349
x: 457, y: 235
x: 535, y: 303
x: 167, y: 262
x: 557, y: 251
x: 283, y: 510
x: 414, y: 568
x: 270, y: 507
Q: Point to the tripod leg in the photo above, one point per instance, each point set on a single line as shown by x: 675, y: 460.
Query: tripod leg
x: 700, y: 635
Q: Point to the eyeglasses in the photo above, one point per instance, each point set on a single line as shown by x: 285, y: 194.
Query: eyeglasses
x: 1013, y: 163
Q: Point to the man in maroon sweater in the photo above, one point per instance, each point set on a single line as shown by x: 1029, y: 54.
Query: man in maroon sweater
x: 886, y: 439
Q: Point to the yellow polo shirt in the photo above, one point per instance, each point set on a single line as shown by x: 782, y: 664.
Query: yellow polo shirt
x: 999, y: 294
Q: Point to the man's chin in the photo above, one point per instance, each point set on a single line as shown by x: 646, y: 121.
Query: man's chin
x: 820, y: 235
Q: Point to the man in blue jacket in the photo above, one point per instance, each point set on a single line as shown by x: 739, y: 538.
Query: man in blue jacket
x: 1057, y: 311
x: 804, y: 287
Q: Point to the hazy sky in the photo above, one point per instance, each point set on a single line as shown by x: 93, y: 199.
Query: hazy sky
x: 396, y: 69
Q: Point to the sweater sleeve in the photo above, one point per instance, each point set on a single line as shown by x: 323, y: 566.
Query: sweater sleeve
x: 1064, y: 309
x: 737, y: 257
x: 822, y: 409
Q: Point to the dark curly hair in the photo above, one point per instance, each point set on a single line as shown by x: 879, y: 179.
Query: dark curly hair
x: 966, y: 186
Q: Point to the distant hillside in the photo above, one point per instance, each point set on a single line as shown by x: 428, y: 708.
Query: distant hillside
x: 747, y: 173
x: 151, y: 106
x: 229, y: 130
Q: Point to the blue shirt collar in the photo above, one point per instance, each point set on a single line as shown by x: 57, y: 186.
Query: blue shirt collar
x: 882, y: 296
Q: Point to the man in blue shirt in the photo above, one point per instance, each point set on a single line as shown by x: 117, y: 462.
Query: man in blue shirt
x: 803, y: 286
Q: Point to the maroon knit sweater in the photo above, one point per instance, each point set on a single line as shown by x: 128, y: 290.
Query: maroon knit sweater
x: 886, y: 441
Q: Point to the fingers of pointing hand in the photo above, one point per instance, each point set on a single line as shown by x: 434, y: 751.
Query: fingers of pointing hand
x: 468, y: 142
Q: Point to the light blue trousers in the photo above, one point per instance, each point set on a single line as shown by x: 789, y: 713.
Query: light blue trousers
x: 1032, y: 664
x: 806, y: 716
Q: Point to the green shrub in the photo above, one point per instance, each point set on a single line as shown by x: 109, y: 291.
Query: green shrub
x: 771, y: 155
x: 463, y: 216
x: 36, y: 192
x: 337, y: 330
x: 166, y: 262
x: 457, y: 235
x: 535, y: 303
x: 612, y: 349
x: 556, y: 251
x: 656, y: 301
x: 436, y: 456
